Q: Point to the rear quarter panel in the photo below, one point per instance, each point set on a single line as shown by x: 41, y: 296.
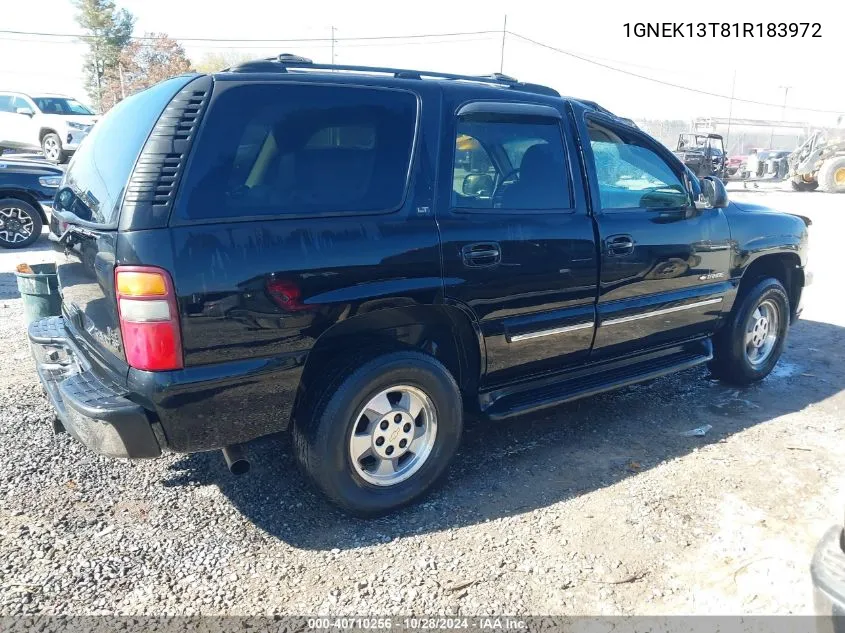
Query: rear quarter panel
x: 244, y: 353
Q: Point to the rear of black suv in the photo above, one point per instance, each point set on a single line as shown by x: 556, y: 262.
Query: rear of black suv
x: 212, y: 229
x: 119, y: 312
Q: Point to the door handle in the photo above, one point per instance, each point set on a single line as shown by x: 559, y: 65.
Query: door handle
x: 481, y: 254
x: 619, y: 245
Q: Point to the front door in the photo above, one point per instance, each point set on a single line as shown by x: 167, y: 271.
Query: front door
x: 518, y: 246
x: 664, y: 264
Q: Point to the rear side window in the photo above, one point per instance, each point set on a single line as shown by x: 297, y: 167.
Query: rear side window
x: 103, y: 164
x: 300, y: 149
x: 512, y: 164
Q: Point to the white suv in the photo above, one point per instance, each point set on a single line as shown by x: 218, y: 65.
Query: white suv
x: 54, y: 124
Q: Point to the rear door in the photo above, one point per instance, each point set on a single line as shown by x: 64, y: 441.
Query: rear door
x: 85, y: 219
x: 664, y: 263
x: 517, y: 242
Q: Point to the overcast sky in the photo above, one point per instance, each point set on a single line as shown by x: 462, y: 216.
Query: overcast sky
x: 811, y: 67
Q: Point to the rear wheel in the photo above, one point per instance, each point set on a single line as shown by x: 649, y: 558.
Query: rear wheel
x: 832, y: 175
x: 51, y: 145
x: 20, y: 223
x: 749, y: 345
x: 381, y: 434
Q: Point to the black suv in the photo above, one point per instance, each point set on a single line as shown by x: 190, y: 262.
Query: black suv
x: 365, y: 255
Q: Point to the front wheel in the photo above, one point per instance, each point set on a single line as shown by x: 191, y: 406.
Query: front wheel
x: 20, y: 223
x: 381, y: 434
x: 749, y: 345
x: 51, y: 145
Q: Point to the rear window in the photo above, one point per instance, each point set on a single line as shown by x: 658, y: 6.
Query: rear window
x: 300, y: 149
x: 101, y: 167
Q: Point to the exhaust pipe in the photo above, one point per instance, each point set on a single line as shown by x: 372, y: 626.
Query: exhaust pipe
x: 235, y: 459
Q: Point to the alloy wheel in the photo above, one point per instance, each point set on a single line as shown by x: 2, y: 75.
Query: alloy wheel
x: 393, y: 435
x: 761, y: 336
x: 16, y: 225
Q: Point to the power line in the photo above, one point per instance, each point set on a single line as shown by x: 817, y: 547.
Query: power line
x: 666, y: 83
x: 269, y: 40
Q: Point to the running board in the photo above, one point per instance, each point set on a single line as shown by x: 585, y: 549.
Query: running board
x: 606, y: 377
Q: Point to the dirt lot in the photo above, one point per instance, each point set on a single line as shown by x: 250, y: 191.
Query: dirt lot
x: 599, y: 507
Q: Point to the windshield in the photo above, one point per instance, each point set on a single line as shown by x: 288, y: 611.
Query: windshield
x: 60, y: 105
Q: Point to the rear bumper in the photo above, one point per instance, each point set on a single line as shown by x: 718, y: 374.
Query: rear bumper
x: 828, y: 573
x: 91, y: 407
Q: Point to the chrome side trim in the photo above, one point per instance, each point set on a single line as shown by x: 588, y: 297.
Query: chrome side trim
x: 654, y: 313
x: 557, y: 330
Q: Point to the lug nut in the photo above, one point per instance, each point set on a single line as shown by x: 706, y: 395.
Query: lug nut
x: 389, y: 450
x: 403, y: 443
x: 379, y: 441
x: 397, y: 418
x: 407, y: 427
x: 384, y: 425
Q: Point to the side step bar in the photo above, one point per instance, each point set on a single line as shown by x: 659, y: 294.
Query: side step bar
x: 607, y: 377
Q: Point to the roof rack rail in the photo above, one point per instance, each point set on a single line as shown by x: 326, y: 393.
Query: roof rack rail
x: 286, y: 61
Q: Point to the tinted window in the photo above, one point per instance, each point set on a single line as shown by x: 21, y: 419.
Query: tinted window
x: 102, y: 165
x: 60, y: 105
x: 511, y: 164
x: 630, y: 174
x: 284, y: 148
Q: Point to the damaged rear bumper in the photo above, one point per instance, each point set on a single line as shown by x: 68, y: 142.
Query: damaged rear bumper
x: 92, y: 408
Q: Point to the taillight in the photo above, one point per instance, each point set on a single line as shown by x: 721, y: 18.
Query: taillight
x: 286, y: 295
x: 149, y: 318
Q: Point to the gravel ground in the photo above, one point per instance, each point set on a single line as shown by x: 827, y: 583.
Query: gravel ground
x: 598, y: 507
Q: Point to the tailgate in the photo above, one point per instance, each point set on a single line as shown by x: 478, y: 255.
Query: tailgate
x: 86, y: 281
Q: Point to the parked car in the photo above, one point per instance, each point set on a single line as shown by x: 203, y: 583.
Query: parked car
x: 54, y: 124
x: 27, y: 188
x: 773, y: 164
x: 293, y: 252
x: 828, y: 574
x: 736, y: 164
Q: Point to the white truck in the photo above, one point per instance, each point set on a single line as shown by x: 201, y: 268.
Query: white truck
x: 54, y: 124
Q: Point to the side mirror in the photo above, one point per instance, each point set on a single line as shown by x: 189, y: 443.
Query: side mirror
x: 713, y: 194
x: 478, y: 185
x: 25, y: 111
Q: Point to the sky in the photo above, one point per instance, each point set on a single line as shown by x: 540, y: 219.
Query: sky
x: 809, y: 67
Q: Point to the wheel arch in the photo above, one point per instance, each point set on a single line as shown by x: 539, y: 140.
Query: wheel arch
x: 26, y: 197
x: 785, y: 267
x: 44, y: 131
x: 444, y: 331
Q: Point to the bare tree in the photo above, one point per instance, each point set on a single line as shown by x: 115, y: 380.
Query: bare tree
x: 147, y: 61
x: 108, y: 31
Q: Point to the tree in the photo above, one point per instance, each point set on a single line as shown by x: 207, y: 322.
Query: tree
x: 217, y: 61
x: 108, y: 32
x: 149, y: 60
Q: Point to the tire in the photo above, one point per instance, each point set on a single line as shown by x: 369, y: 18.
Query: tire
x: 800, y: 185
x: 20, y: 223
x: 53, y: 150
x: 323, y: 434
x: 732, y: 362
x: 832, y: 175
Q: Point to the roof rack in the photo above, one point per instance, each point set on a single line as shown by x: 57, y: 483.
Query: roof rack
x: 285, y: 62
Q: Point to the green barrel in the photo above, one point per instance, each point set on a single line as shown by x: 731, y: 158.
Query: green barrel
x: 40, y: 292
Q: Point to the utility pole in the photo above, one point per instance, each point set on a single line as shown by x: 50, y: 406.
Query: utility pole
x: 504, y: 32
x: 333, y: 32
x: 782, y: 112
x: 730, y: 114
